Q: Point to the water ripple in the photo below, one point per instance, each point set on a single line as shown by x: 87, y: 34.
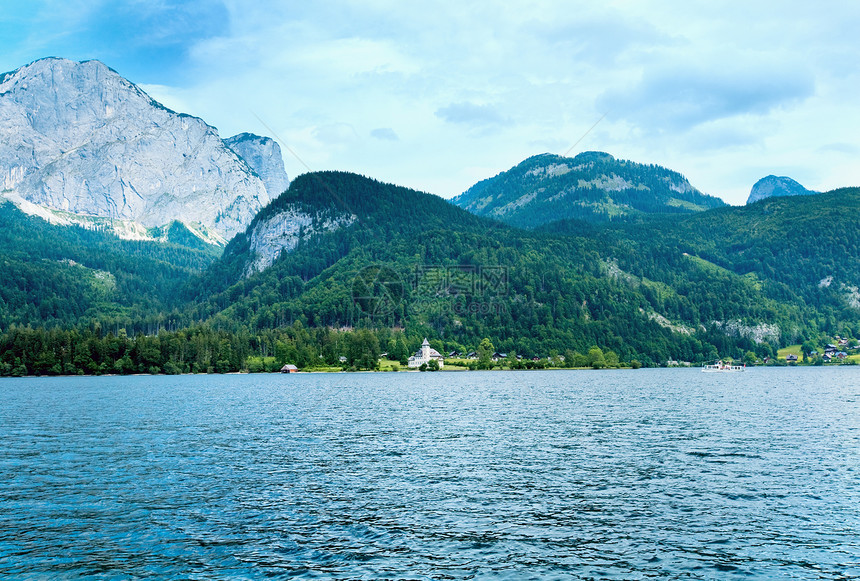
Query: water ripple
x: 534, y: 475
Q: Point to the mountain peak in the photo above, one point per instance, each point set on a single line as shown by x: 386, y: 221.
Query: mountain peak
x: 593, y: 186
x: 61, y: 70
x: 587, y: 156
x: 774, y: 186
x: 78, y: 137
x: 579, y: 158
x: 263, y: 155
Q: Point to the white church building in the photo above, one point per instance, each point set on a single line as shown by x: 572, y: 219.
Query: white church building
x: 424, y: 355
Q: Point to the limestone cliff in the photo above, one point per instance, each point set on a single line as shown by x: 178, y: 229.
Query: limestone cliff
x: 79, y: 138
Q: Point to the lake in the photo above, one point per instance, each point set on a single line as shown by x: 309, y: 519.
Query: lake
x: 482, y: 475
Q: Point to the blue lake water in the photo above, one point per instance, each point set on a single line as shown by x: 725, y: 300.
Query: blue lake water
x: 484, y: 475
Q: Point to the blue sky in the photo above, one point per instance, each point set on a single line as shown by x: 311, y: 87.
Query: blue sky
x: 438, y: 95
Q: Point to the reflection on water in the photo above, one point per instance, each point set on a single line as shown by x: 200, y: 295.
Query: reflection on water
x: 520, y: 475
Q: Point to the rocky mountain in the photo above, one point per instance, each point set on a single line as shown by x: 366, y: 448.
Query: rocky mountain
x: 773, y: 186
x: 323, y: 203
x: 78, y: 141
x: 264, y: 156
x: 282, y: 232
x: 592, y: 186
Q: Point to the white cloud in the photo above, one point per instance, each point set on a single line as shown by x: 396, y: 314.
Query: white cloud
x: 672, y: 99
x: 724, y: 91
x: 840, y: 148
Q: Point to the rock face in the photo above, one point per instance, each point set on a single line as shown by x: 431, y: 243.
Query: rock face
x: 773, y: 186
x: 79, y: 138
x: 264, y: 156
x: 282, y: 232
x: 593, y: 186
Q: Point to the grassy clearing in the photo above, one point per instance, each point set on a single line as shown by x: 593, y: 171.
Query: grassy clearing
x: 753, y: 280
x: 676, y: 203
x: 790, y: 350
x: 453, y: 367
x: 390, y: 365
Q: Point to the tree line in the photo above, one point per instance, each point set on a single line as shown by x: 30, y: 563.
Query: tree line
x: 28, y: 351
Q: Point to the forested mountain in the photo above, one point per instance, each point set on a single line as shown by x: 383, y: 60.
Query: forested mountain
x: 798, y: 252
x: 58, y: 276
x: 711, y: 283
x: 593, y: 186
x: 556, y: 255
x: 412, y: 261
x: 343, y: 265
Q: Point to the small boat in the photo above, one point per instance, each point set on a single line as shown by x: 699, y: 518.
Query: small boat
x: 720, y: 367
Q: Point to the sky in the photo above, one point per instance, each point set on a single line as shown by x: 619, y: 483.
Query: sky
x: 438, y: 95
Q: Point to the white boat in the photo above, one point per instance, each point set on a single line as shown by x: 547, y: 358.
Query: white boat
x: 720, y: 367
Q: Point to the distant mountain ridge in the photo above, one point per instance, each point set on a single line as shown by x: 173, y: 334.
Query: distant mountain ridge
x: 593, y: 186
x: 775, y: 186
x: 77, y: 140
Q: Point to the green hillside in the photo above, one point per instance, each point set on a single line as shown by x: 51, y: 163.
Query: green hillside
x: 571, y: 286
x: 800, y: 251
x: 64, y: 276
x: 727, y: 282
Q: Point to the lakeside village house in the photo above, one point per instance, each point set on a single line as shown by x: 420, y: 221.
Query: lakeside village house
x: 424, y: 355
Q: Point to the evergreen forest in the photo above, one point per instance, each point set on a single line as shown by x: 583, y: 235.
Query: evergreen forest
x: 725, y: 282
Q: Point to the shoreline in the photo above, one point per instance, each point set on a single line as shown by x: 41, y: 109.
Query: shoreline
x: 386, y: 371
